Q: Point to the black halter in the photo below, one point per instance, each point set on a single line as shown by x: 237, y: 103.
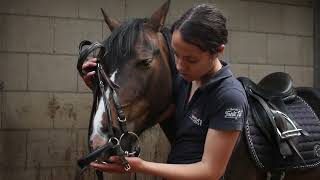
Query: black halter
x: 115, y: 144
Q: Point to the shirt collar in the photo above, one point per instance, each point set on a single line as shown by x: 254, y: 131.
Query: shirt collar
x: 217, y: 77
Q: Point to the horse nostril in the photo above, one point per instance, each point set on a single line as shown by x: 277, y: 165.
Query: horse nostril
x: 97, y: 141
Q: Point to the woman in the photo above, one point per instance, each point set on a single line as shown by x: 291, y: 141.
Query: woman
x: 211, y: 103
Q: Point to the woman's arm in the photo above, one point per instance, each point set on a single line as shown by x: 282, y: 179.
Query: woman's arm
x: 217, y: 151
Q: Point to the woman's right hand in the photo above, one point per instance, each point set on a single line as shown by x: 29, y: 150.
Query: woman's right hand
x: 116, y: 166
x: 87, y: 66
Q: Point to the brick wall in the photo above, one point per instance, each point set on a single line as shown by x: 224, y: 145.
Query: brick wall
x: 45, y: 106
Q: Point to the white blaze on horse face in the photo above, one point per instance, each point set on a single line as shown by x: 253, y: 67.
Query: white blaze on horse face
x: 97, y: 121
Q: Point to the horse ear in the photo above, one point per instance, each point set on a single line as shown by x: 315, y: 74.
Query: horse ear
x: 112, y: 23
x: 158, y: 18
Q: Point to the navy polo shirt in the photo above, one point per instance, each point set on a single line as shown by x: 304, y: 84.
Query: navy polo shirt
x: 221, y: 104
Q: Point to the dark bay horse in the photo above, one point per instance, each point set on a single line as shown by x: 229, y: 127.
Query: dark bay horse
x: 140, y: 62
x: 137, y: 58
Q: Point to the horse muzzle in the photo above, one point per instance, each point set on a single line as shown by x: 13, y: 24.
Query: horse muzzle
x: 127, y: 145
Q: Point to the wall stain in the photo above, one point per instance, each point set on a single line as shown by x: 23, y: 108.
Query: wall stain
x: 53, y: 107
x: 69, y: 110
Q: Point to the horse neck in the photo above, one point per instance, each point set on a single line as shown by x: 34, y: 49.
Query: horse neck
x: 167, y: 36
x: 166, y: 111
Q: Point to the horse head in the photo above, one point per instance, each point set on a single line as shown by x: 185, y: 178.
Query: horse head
x: 137, y: 60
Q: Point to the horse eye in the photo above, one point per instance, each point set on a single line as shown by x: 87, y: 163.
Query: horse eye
x: 145, y: 63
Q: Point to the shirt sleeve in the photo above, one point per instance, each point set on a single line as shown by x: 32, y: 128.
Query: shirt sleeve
x: 229, y: 111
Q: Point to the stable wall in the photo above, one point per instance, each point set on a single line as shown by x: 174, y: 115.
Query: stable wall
x: 45, y: 105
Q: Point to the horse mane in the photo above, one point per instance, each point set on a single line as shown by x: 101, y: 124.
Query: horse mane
x: 120, y: 44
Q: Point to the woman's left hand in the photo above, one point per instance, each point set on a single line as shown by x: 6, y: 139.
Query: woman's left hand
x: 116, y: 166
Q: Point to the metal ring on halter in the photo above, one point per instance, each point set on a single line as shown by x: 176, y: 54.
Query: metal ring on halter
x: 112, y: 139
x: 120, y: 120
x: 138, y: 143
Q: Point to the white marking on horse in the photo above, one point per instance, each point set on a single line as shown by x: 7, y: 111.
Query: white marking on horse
x: 97, y: 121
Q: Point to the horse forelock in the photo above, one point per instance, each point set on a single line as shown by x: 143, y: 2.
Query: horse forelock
x: 121, y: 43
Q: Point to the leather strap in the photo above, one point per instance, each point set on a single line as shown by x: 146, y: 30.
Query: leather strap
x: 83, y: 162
x: 258, y: 106
x: 85, y: 52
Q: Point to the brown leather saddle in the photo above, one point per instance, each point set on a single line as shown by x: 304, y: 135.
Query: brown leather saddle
x: 282, y: 130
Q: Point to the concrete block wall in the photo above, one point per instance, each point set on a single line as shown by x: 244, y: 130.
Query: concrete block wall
x: 268, y: 37
x: 44, y: 105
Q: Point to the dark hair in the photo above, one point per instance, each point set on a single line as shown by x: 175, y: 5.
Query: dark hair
x: 203, y: 26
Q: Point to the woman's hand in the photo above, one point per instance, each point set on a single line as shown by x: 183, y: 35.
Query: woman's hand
x: 116, y: 166
x: 87, y: 78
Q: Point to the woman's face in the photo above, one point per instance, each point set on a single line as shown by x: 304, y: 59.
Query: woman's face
x: 191, y: 62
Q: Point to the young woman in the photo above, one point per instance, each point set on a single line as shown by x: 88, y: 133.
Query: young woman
x: 211, y: 105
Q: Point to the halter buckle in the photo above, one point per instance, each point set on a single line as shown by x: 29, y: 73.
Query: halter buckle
x: 127, y: 167
x: 114, y: 141
x: 122, y: 120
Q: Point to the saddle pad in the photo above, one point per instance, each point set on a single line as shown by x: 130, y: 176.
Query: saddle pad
x: 268, y: 157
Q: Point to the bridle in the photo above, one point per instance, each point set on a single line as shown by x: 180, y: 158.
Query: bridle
x: 115, y: 144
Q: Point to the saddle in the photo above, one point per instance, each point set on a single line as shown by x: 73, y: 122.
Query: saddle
x: 282, y: 130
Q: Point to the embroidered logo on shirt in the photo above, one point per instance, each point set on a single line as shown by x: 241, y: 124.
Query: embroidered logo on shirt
x: 195, y: 120
x: 233, y: 113
x: 194, y: 117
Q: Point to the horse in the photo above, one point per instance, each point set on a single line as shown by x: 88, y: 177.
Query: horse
x: 140, y: 61
x: 137, y: 57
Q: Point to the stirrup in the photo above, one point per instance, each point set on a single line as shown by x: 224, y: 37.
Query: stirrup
x: 294, y: 132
